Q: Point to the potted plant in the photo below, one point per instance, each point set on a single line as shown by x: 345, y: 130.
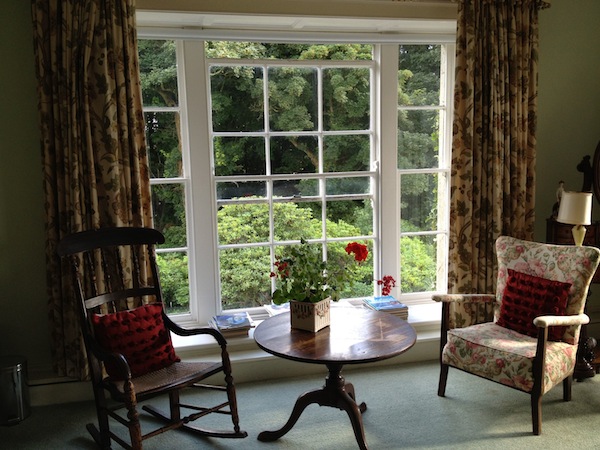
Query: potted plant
x: 309, y: 283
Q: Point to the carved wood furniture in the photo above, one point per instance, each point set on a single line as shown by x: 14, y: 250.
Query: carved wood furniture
x: 355, y: 336
x: 126, y: 332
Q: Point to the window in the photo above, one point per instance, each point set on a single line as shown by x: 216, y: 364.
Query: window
x: 292, y: 158
x: 424, y: 130
x: 255, y: 144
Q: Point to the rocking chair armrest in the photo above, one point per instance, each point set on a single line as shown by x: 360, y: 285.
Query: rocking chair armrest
x: 197, y: 331
x: 467, y: 298
x: 553, y: 321
x: 116, y: 358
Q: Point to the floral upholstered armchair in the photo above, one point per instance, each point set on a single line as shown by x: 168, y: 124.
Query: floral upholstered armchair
x: 525, y: 335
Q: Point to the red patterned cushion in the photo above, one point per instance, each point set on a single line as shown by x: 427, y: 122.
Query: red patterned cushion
x: 526, y: 297
x: 139, y: 335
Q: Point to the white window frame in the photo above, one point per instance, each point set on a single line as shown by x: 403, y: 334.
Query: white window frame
x: 194, y: 107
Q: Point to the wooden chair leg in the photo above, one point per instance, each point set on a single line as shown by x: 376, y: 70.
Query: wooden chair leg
x: 232, y: 398
x: 135, y: 431
x: 567, y: 383
x: 536, y: 413
x: 443, y: 379
x: 174, y: 407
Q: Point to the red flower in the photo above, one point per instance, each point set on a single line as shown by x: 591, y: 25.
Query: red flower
x: 388, y: 283
x: 282, y: 268
x: 361, y: 252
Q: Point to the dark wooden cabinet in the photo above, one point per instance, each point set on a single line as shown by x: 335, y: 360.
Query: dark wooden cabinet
x: 560, y: 233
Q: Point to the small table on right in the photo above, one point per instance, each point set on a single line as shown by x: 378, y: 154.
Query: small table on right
x: 355, y: 336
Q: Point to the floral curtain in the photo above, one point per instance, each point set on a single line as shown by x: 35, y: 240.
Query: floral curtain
x: 95, y: 170
x: 494, y: 142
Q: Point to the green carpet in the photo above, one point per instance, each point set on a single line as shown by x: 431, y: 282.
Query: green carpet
x: 404, y: 411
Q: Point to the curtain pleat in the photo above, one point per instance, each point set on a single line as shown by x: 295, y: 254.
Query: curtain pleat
x: 494, y: 143
x: 95, y: 167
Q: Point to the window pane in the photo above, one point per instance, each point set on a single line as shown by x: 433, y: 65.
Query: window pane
x: 241, y: 189
x: 173, y: 268
x: 292, y: 221
x: 419, y: 202
x: 418, y: 134
x: 158, y: 72
x: 417, y: 264
x: 353, y: 185
x: 245, y: 280
x: 163, y: 141
x: 347, y: 153
x: 237, y: 98
x: 168, y: 211
x: 294, y: 154
x: 243, y: 223
x: 349, y: 218
x: 239, y: 156
x: 419, y: 75
x: 234, y: 50
x: 291, y: 188
x: 293, y: 99
x: 346, y: 99
x: 256, y: 50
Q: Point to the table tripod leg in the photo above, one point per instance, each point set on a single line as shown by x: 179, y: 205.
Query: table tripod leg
x: 303, y: 401
x: 347, y: 403
x: 349, y: 388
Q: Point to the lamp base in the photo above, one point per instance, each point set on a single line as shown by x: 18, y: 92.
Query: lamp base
x: 578, y: 234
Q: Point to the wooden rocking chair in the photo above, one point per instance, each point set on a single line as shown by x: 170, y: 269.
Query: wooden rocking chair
x: 127, y: 333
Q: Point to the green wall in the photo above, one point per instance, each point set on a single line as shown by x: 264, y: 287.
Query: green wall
x: 569, y: 109
x: 23, y: 324
x: 568, y: 129
x: 569, y: 99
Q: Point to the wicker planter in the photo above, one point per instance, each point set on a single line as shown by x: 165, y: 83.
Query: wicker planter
x: 310, y: 316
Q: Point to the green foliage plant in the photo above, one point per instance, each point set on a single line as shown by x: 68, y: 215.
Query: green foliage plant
x: 303, y: 276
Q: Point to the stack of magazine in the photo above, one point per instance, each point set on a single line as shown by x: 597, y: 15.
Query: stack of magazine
x: 387, y: 304
x: 231, y: 325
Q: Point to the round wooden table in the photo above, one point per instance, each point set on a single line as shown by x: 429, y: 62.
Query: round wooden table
x: 355, y: 336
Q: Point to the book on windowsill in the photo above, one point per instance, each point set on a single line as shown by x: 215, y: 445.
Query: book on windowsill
x: 234, y: 324
x: 387, y: 304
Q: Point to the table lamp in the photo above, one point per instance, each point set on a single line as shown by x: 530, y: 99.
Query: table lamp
x: 576, y: 209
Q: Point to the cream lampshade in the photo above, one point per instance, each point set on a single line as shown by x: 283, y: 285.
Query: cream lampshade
x: 576, y: 209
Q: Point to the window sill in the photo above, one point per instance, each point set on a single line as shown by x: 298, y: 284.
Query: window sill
x: 425, y: 318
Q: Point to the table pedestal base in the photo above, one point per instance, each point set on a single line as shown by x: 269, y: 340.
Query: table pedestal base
x: 336, y: 393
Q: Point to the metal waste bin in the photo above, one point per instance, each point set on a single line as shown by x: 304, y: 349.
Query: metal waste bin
x: 14, y: 390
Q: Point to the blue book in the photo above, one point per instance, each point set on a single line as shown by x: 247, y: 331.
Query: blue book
x: 235, y: 321
x: 387, y: 303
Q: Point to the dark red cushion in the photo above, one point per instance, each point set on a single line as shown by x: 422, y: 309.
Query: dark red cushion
x: 526, y: 297
x: 139, y: 335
